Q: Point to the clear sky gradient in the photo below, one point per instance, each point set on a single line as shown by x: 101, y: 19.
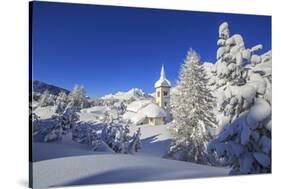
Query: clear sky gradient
x: 109, y: 49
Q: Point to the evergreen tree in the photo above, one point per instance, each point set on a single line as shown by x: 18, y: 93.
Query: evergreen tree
x: 44, y: 99
x: 243, y: 87
x: 115, y: 134
x: 191, y: 108
x: 65, y: 123
x: 61, y: 102
x: 135, y: 144
x: 77, y: 97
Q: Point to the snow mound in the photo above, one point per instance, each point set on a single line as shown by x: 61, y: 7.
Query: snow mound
x: 115, y: 168
x: 155, y: 140
x: 96, y: 113
x: 96, y: 109
x: 45, y: 112
x: 46, y: 151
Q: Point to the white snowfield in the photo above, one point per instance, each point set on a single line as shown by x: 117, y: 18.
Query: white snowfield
x: 113, y: 168
x: 95, y: 113
x: 68, y: 164
x: 45, y: 112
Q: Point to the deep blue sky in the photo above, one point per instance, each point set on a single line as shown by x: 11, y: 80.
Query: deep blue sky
x: 110, y: 49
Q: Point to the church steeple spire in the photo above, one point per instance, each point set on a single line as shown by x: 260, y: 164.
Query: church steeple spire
x: 162, y: 76
x: 162, y: 82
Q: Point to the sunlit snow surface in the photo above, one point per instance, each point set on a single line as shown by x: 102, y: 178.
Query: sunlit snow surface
x: 73, y: 164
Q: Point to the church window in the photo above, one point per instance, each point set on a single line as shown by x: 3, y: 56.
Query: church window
x: 165, y: 93
x: 158, y: 94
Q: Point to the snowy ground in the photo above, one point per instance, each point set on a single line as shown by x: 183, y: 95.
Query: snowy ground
x: 72, y: 164
x: 113, y: 168
x: 155, y: 140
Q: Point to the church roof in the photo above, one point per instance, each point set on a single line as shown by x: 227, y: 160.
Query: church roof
x: 137, y: 105
x: 152, y: 110
x: 162, y: 82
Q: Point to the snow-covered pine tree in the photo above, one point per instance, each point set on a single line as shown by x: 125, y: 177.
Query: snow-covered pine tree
x: 115, y: 134
x: 44, y: 99
x: 192, y: 106
x: 77, y: 97
x: 121, y: 108
x: 93, y: 139
x: 243, y: 88
x: 125, y: 138
x: 52, y: 100
x: 65, y: 122
x: 61, y: 102
x: 135, y: 144
x: 232, y: 72
x: 35, y: 123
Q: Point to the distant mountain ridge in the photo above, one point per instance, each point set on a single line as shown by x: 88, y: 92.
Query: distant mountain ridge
x: 133, y: 93
x: 40, y: 87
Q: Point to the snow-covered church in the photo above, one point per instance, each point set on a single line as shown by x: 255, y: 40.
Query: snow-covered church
x: 152, y: 112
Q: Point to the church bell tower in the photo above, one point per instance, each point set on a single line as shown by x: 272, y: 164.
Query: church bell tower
x: 162, y: 90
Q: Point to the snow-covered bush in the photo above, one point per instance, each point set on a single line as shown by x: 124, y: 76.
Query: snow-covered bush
x: 192, y: 105
x: 135, y: 144
x: 113, y: 134
x: 243, y: 89
x: 121, y: 107
x: 65, y: 122
x: 57, y: 127
x: 94, y: 140
x: 35, y: 123
x: 116, y: 135
x: 90, y: 134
